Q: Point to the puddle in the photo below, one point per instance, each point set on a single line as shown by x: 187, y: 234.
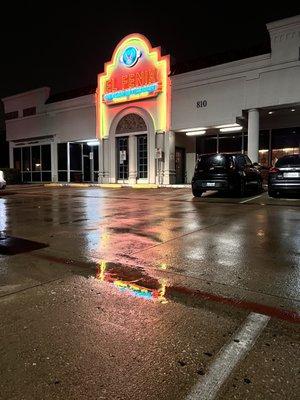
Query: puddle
x: 133, y: 282
x: 12, y: 245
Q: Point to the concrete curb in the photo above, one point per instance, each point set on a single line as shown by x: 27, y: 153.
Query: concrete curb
x: 116, y: 185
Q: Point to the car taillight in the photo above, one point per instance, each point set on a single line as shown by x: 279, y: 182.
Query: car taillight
x: 273, y: 170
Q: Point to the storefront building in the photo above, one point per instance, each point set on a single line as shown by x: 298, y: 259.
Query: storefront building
x: 146, y: 121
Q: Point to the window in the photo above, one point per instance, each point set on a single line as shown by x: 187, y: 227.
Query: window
x: 142, y: 156
x: 11, y: 115
x: 29, y: 111
x: 62, y: 156
x: 241, y: 161
x: 17, y: 159
x: 34, y: 162
x: 122, y: 149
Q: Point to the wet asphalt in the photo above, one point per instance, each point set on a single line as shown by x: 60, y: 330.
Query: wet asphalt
x: 133, y: 293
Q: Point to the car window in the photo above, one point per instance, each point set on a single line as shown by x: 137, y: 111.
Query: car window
x: 213, y: 160
x: 241, y: 161
x: 248, y: 161
x: 288, y: 160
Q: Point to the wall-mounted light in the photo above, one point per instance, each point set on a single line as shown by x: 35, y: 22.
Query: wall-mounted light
x: 195, y: 133
x: 202, y: 128
x: 95, y: 143
x: 226, y: 126
x: 232, y: 129
x: 293, y: 110
x: 271, y: 112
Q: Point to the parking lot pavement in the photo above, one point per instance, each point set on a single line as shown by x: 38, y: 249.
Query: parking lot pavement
x: 130, y: 294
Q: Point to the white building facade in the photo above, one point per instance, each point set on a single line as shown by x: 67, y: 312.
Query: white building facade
x: 146, y: 124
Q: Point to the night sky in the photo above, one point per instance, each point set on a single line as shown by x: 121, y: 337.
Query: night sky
x: 64, y: 45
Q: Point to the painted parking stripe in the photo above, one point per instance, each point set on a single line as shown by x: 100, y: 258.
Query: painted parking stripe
x: 251, y: 198
x: 209, y: 385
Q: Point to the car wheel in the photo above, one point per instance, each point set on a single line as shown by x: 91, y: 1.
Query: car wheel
x: 197, y: 192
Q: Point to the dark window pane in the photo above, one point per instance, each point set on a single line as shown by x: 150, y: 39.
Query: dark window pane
x: 17, y: 159
x: 46, y: 176
x: 230, y: 144
x: 26, y: 158
x: 75, y: 176
x: 86, y: 149
x: 122, y: 152
x: 62, y: 176
x: 62, y: 156
x: 36, y: 177
x: 46, y: 157
x: 75, y: 156
x: 36, y: 158
x: 29, y: 111
x: 142, y: 159
x: 96, y: 158
x: 26, y: 177
x: 11, y: 115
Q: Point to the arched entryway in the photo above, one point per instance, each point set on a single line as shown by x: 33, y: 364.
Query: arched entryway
x: 132, y: 148
x: 132, y: 142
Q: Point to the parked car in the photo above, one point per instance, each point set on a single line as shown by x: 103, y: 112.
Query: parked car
x: 2, y: 181
x: 225, y: 172
x: 285, y: 175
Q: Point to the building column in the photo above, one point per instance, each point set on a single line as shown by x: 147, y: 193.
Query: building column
x: 132, y: 159
x: 68, y: 163
x: 106, y: 161
x: 11, y: 155
x: 169, y: 167
x: 54, y: 168
x: 100, y: 161
x: 159, y: 161
x: 253, y: 134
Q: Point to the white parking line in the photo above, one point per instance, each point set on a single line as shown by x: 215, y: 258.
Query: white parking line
x: 207, y: 387
x: 251, y: 198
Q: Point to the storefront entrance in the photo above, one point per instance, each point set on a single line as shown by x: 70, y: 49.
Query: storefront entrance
x: 122, y: 157
x: 131, y: 149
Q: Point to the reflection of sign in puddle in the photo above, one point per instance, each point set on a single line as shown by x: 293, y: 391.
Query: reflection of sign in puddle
x: 156, y: 291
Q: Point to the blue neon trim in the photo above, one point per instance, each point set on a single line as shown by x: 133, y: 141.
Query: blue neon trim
x: 132, y: 91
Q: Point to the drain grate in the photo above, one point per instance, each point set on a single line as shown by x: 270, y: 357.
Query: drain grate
x: 10, y: 245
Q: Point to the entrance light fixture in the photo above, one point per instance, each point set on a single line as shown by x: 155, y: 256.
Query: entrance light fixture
x: 232, y: 129
x: 195, y: 133
x: 95, y: 143
x: 226, y: 126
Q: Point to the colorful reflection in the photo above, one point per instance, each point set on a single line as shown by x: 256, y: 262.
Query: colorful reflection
x: 130, y: 287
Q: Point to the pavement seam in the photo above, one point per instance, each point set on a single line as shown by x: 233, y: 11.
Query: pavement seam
x: 30, y: 287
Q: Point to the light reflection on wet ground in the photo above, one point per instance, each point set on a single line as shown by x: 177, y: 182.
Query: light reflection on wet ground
x: 149, y: 281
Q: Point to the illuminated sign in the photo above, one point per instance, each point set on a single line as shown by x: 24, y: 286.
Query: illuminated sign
x: 136, y: 73
x: 130, y: 56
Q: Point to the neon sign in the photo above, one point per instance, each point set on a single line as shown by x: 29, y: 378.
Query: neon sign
x: 130, y: 56
x: 136, y: 73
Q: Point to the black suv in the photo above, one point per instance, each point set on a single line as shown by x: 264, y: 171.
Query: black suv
x: 285, y: 176
x: 225, y: 172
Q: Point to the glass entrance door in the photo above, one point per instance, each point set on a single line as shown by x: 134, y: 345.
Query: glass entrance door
x: 122, y: 158
x: 142, y: 157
